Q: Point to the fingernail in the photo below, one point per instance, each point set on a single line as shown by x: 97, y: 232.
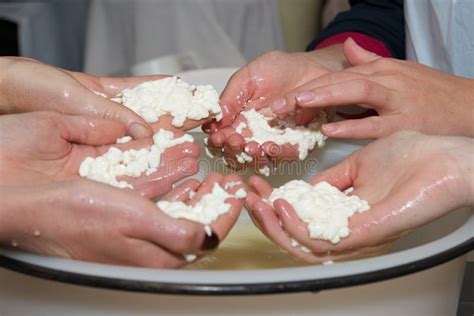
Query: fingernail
x: 279, y: 105
x: 329, y: 128
x: 138, y: 131
x: 210, y: 242
x: 305, y: 96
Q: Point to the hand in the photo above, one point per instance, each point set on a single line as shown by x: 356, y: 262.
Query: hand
x: 258, y: 84
x: 44, y: 147
x: 90, y: 221
x: 409, y: 179
x: 404, y: 94
x: 28, y: 85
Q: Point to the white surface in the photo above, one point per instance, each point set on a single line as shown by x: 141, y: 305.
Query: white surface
x: 440, y: 34
x: 40, y: 37
x: 216, y: 33
x: 431, y: 292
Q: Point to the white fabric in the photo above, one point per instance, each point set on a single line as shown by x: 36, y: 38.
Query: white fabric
x: 440, y: 34
x: 217, y: 33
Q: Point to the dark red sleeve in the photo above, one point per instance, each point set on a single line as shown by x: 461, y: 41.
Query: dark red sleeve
x: 366, y: 41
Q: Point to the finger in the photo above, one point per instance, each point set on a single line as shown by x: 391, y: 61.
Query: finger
x: 371, y: 127
x: 153, y: 190
x: 147, y: 254
x: 222, y: 225
x: 95, y: 105
x: 363, y: 231
x: 165, y: 177
x: 341, y: 175
x: 272, y: 229
x: 280, y: 152
x: 89, y: 130
x: 236, y: 92
x: 261, y: 187
x: 290, y: 102
x: 357, y: 55
x: 358, y: 91
x: 232, y: 183
x: 114, y: 85
x: 165, y: 122
x: 182, y: 191
x: 252, y: 149
x: 219, y: 138
x: 291, y: 222
x: 206, y: 186
x: 234, y: 144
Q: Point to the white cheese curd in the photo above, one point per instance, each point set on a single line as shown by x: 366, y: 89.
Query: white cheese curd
x: 208, y: 152
x: 265, y: 171
x: 243, y: 157
x: 323, y: 207
x: 123, y: 140
x: 172, y: 96
x: 132, y: 163
x: 295, y: 244
x: 189, y: 257
x: 240, y: 193
x: 240, y: 127
x: 305, y: 137
x: 206, y: 210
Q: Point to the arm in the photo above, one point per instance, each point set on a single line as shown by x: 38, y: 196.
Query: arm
x: 377, y: 26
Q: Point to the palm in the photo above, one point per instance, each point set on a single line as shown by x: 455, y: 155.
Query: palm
x: 56, y: 145
x: 409, y: 179
x: 265, y: 79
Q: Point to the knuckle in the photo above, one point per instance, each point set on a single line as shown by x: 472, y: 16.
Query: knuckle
x: 384, y: 63
x: 275, y: 54
x: 365, y: 88
x: 185, y: 239
x: 375, y: 123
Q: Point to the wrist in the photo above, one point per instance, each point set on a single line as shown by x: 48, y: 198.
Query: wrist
x: 466, y: 168
x: 461, y: 151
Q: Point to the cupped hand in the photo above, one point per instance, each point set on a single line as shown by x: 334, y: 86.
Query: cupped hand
x: 404, y: 94
x: 90, y: 221
x: 43, y: 147
x: 29, y: 85
x: 409, y: 179
x: 257, y: 85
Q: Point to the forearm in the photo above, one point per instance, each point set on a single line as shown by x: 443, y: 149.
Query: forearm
x: 380, y: 20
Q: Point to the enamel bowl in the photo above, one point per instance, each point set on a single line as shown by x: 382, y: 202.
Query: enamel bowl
x: 247, y: 263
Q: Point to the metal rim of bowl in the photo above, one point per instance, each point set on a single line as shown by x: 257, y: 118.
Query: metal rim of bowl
x: 312, y: 285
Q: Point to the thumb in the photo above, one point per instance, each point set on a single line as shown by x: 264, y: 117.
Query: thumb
x: 356, y: 55
x: 89, y: 130
x: 103, y: 108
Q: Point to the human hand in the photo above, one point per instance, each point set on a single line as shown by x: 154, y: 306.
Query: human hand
x: 29, y: 85
x: 44, y: 147
x: 257, y: 86
x: 409, y: 179
x: 85, y: 220
x: 404, y: 94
